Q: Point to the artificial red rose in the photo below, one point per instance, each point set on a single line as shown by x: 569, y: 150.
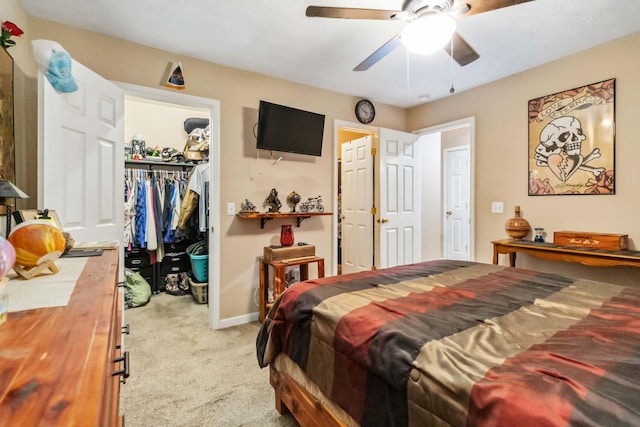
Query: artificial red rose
x: 12, y: 28
x: 9, y: 29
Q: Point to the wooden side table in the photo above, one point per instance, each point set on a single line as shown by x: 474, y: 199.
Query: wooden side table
x: 279, y: 282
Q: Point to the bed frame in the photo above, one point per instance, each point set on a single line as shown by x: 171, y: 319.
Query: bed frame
x: 292, y: 398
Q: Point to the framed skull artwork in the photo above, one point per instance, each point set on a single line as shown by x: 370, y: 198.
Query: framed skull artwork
x: 572, y: 141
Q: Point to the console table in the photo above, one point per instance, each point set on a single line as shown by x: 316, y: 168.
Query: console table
x: 549, y: 251
x: 279, y: 282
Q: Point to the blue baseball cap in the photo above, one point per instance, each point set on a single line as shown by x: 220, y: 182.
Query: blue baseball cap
x: 59, y: 72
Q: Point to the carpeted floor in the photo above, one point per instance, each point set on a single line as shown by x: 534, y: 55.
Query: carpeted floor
x: 185, y: 374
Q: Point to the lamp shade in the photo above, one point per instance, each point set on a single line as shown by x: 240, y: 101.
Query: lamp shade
x: 9, y: 190
x: 429, y: 33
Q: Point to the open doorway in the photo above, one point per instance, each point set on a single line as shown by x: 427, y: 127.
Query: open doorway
x: 434, y: 144
x: 447, y: 183
x: 347, y: 253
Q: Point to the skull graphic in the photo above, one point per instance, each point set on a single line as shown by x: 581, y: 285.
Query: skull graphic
x: 560, y: 148
x: 562, y: 134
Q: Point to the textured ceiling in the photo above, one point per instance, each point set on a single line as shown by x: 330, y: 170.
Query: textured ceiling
x: 274, y: 37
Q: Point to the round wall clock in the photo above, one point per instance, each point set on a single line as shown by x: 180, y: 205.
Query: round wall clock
x: 365, y: 112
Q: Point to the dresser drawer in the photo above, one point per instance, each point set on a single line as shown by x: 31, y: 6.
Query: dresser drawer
x: 137, y: 257
x: 176, y: 247
x: 175, y: 264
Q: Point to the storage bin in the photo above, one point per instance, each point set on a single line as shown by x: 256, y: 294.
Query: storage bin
x: 199, y: 291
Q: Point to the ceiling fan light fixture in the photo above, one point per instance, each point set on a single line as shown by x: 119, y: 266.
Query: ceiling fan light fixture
x: 428, y: 34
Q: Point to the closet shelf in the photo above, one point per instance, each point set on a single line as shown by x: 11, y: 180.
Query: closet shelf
x: 267, y: 216
x: 151, y: 165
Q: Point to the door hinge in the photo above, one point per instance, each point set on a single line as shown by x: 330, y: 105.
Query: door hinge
x: 374, y: 151
x: 373, y: 210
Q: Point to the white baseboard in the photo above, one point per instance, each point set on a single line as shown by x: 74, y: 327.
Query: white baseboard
x: 239, y: 320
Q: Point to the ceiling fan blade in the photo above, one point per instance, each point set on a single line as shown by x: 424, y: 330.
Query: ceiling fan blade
x: 481, y: 6
x: 376, y: 56
x: 350, y: 13
x: 463, y: 53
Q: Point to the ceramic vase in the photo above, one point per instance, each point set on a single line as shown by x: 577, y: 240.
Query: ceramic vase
x: 286, y: 235
x: 517, y: 227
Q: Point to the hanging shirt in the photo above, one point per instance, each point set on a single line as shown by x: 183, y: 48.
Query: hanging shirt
x: 129, y: 214
x: 199, y: 177
x: 140, y: 235
x: 175, y: 218
x: 152, y: 238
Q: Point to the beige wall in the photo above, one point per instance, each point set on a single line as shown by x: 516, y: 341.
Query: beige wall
x: 160, y: 123
x: 501, y: 166
x: 244, y: 172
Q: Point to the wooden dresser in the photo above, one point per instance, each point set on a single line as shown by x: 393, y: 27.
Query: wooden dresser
x: 57, y: 364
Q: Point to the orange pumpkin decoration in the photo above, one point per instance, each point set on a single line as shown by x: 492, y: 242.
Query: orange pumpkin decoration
x: 34, y: 239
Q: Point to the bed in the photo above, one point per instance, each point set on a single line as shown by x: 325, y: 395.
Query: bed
x: 455, y: 343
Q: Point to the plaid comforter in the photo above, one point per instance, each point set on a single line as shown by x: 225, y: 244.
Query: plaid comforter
x: 463, y: 343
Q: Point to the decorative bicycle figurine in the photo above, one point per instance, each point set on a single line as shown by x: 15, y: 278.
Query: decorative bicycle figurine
x: 311, y: 204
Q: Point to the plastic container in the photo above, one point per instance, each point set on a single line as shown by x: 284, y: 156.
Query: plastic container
x: 199, y: 291
x: 200, y: 267
x: 198, y: 253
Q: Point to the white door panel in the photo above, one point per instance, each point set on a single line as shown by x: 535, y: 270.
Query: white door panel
x: 399, y: 214
x: 456, y: 218
x: 357, y: 201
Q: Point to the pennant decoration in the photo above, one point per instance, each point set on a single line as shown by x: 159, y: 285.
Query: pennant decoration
x: 175, y: 80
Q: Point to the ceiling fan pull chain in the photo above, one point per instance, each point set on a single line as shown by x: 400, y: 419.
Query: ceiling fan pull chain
x: 452, y: 90
x: 408, y: 78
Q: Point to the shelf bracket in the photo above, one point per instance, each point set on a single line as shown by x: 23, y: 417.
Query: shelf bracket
x: 299, y: 220
x: 264, y: 220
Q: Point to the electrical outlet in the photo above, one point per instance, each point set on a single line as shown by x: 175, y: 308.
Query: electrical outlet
x: 231, y: 209
x: 497, y: 207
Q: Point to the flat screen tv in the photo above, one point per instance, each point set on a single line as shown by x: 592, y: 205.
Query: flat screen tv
x: 289, y: 130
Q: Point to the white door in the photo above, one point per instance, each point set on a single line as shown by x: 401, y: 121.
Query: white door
x: 457, y: 203
x: 357, y: 202
x: 80, y: 155
x: 399, y: 213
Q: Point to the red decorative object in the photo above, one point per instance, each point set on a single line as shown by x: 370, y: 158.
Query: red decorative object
x: 9, y: 29
x: 286, y: 235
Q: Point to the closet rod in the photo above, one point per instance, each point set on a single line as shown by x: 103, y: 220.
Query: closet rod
x: 151, y: 165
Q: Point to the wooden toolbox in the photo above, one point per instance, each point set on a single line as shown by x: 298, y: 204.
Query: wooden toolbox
x: 276, y: 253
x: 581, y: 239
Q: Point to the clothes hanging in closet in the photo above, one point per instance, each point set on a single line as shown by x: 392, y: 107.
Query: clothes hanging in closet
x: 152, y: 201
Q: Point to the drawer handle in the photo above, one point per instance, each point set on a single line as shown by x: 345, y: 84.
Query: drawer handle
x: 124, y: 372
x: 125, y: 329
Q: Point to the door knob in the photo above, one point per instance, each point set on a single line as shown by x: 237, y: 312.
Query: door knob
x: 449, y: 213
x: 382, y: 221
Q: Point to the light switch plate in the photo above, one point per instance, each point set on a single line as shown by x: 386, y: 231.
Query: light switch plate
x: 497, y: 207
x: 231, y: 209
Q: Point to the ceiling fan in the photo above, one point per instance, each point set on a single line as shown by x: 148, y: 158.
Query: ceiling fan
x: 420, y: 15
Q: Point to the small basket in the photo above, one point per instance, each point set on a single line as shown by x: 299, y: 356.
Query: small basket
x: 199, y: 291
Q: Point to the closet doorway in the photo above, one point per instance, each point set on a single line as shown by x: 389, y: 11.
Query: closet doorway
x: 146, y: 111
